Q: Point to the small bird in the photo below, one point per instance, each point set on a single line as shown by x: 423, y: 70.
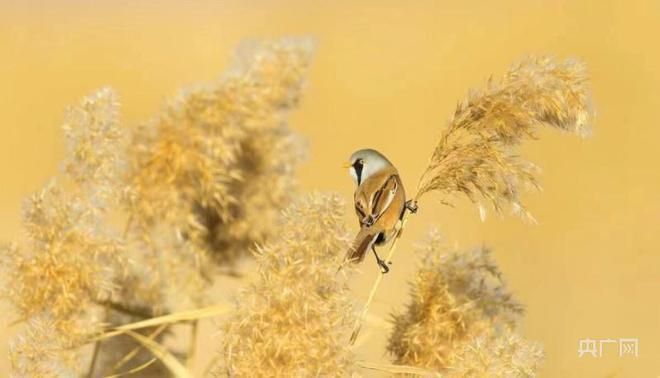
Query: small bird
x: 380, y: 202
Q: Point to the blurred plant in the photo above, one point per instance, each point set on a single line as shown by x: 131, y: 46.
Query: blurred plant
x: 497, y: 353
x: 216, y: 165
x: 293, y: 320
x: 460, y: 318
x: 207, y: 180
x: 68, y: 259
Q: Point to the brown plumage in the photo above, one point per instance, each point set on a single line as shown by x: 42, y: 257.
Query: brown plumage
x: 379, y: 202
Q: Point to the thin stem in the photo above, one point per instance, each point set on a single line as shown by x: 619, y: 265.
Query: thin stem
x: 176, y: 317
x: 97, y: 344
x: 358, y: 322
x: 137, y: 349
x: 137, y: 312
x: 95, y: 355
x: 397, y: 369
x: 135, y: 369
x: 96, y: 352
x: 192, y: 348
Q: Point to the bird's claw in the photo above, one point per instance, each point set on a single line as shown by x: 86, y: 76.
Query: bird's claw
x: 411, y: 205
x: 383, y: 266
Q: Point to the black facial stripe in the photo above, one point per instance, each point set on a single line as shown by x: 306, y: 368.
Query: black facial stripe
x: 358, y: 170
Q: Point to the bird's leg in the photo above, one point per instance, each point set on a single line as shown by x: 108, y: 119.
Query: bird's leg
x: 381, y: 263
x: 412, y: 206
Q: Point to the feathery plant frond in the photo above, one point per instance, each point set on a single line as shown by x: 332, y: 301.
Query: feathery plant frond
x: 471, y: 276
x: 42, y: 349
x: 293, y: 320
x: 216, y: 165
x: 65, y: 261
x: 497, y: 353
x: 458, y: 300
x: 475, y: 155
x: 94, y: 157
x: 68, y: 259
x: 207, y: 179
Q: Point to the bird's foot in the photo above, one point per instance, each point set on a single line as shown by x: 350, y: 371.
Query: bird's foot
x: 383, y: 266
x: 368, y: 221
x: 411, y: 205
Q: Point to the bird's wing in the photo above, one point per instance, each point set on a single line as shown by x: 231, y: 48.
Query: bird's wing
x: 383, y: 197
x: 360, y: 208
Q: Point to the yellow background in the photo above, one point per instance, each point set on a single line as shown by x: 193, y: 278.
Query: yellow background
x: 387, y: 75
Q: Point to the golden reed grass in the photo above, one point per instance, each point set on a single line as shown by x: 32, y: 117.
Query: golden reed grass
x: 476, y: 153
x: 293, y: 321
x: 143, y: 219
x: 461, y: 318
x: 126, y: 242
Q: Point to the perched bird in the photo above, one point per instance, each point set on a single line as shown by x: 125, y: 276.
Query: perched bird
x: 380, y: 201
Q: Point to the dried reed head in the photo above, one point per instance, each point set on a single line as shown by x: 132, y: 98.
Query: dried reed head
x: 68, y: 258
x: 294, y: 319
x: 497, y: 353
x: 475, y: 155
x: 470, y: 276
x: 216, y: 166
x: 455, y: 298
x: 65, y: 261
x: 94, y: 156
x: 40, y: 350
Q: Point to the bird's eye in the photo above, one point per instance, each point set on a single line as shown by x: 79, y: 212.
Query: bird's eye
x: 359, y: 162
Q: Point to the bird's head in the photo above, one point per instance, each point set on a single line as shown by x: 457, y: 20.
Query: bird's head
x: 364, y: 163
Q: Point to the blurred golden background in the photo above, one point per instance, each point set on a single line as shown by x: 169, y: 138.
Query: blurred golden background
x: 387, y: 75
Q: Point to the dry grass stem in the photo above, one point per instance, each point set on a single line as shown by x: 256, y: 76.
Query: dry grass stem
x: 398, y: 369
x: 177, y: 317
x: 160, y: 352
x: 136, y: 369
x: 119, y: 364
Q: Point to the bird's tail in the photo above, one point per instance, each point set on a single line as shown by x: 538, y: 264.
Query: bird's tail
x: 363, y: 241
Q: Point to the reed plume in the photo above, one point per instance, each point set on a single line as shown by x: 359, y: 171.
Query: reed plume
x: 94, y: 159
x: 475, y: 155
x: 203, y: 181
x: 461, y: 318
x: 68, y: 258
x: 293, y: 320
x: 498, y: 353
x: 216, y: 166
x: 207, y: 178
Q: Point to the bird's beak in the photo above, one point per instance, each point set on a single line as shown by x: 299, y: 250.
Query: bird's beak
x: 346, y: 165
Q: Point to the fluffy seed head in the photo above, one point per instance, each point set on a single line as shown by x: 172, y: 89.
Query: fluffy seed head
x: 457, y: 298
x: 216, y: 166
x: 294, y: 320
x: 476, y: 153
